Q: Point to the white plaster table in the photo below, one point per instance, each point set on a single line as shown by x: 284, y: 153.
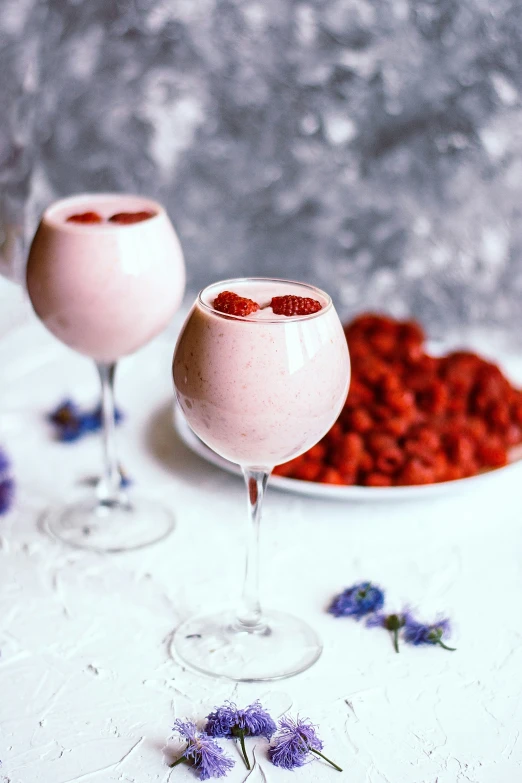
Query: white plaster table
x: 88, y: 692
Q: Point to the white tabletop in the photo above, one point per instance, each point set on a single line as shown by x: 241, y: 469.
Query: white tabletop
x: 88, y: 690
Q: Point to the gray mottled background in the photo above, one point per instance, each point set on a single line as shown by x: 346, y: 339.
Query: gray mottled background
x: 371, y: 146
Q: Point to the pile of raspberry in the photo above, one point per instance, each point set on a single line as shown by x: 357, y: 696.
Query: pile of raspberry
x: 411, y: 418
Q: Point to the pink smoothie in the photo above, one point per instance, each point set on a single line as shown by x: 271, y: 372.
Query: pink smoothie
x: 105, y: 289
x: 262, y: 389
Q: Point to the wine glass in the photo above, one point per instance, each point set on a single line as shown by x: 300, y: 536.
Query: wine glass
x: 105, y: 274
x: 259, y: 390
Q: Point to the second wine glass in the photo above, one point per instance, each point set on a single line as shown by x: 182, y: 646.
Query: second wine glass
x: 106, y: 274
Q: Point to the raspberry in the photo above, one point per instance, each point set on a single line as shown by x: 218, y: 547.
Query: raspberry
x: 396, y: 426
x: 308, y: 471
x: 513, y: 435
x: 294, y: 305
x: 492, y: 454
x: 126, y: 218
x: 288, y: 468
x: 331, y: 476
x: 348, y: 473
x: 232, y: 304
x: 377, y: 480
x: 376, y: 442
x: 357, y: 420
x: 433, y: 399
x: 317, y: 452
x: 383, y: 343
x: 459, y: 448
x: 85, y: 217
x: 389, y: 460
x: 415, y: 472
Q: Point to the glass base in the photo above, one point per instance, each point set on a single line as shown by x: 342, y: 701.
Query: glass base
x: 219, y: 645
x: 109, y: 527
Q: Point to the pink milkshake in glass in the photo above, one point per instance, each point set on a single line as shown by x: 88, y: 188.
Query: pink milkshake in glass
x: 105, y: 288
x: 261, y: 373
x: 105, y: 275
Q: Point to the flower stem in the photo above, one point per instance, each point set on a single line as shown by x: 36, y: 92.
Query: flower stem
x: 445, y: 646
x: 318, y: 753
x: 241, y: 735
x: 179, y: 761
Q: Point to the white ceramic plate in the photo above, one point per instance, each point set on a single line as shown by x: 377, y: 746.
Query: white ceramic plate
x: 335, y: 492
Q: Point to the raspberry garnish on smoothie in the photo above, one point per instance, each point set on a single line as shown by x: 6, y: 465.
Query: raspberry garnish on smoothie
x: 127, y: 218
x: 85, y: 217
x: 232, y: 304
x: 295, y: 305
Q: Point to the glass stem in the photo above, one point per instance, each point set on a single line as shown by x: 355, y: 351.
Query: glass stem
x: 109, y: 485
x: 249, y: 614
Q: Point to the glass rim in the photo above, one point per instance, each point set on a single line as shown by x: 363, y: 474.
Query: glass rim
x: 48, y: 215
x: 242, y: 318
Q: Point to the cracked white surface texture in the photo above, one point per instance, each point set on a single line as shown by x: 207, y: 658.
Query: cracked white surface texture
x: 88, y: 691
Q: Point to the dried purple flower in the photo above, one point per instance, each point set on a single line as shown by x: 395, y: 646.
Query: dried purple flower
x: 229, y: 721
x: 391, y: 622
x: 7, y: 488
x: 5, y: 464
x: 418, y: 633
x: 294, y: 741
x: 72, y: 424
x: 357, y: 601
x: 125, y: 479
x: 68, y: 421
x: 92, y: 421
x: 202, y: 752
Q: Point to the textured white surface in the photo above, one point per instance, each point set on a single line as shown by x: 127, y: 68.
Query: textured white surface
x: 88, y: 691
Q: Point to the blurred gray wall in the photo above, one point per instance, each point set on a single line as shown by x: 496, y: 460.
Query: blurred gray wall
x: 371, y: 146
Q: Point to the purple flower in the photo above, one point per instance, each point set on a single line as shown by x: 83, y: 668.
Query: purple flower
x: 92, y: 421
x: 294, y: 741
x: 253, y: 720
x: 357, y: 601
x: 68, y: 421
x: 229, y: 721
x: 4, y: 462
x: 66, y: 412
x: 418, y: 633
x: 390, y: 622
x: 72, y: 424
x: 202, y: 752
x: 125, y: 480
x: 7, y: 488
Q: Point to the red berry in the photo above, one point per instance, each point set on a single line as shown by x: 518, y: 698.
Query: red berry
x: 492, y: 454
x: 294, y: 305
x: 85, y: 217
x: 232, y: 304
x: 126, y: 218
x: 357, y: 420
x: 331, y: 476
x: 376, y: 479
x: 308, y: 471
x: 317, y: 452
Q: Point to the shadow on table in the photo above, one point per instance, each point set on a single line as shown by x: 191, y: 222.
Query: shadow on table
x: 164, y: 444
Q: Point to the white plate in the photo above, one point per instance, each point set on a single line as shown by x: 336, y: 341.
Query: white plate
x: 332, y: 491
